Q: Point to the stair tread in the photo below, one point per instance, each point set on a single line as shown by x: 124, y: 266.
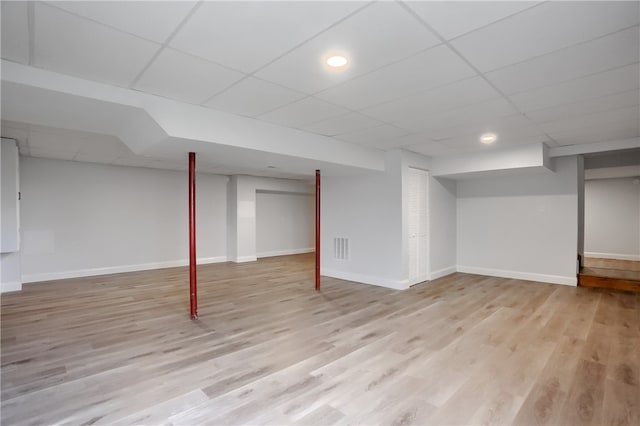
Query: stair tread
x: 610, y: 273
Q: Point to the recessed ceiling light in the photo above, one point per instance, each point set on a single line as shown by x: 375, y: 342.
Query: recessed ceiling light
x: 337, y: 62
x: 488, y: 138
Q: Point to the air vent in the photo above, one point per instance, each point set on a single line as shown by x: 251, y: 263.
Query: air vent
x: 341, y: 248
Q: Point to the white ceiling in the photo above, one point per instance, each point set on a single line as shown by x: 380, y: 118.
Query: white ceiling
x: 425, y: 76
x: 74, y: 145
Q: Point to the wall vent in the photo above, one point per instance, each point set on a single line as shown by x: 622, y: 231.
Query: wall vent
x: 340, y: 248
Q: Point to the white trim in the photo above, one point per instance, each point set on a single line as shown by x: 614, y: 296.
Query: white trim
x: 6, y: 287
x: 30, y: 278
x: 366, y: 279
x: 285, y: 252
x: 616, y: 256
x: 528, y: 276
x: 443, y: 272
x: 242, y: 259
x: 418, y: 280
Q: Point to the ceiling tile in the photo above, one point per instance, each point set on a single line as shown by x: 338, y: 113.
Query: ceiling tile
x: 435, y: 67
x: 543, y: 29
x: 607, y: 132
x: 613, y: 51
x: 303, y: 112
x: 153, y: 20
x: 629, y: 114
x: 481, y: 115
x: 604, y: 103
x: 433, y: 149
x: 247, y: 35
x: 68, y: 44
x: 412, y: 139
x: 593, y: 86
x: 342, y: 124
x: 15, y: 31
x: 187, y: 78
x: 252, y: 97
x: 454, y: 18
x: 378, y: 35
x: 506, y: 137
x: 376, y: 137
x: 410, y: 112
x: 511, y: 124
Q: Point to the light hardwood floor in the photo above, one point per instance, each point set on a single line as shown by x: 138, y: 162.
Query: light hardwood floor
x: 268, y: 349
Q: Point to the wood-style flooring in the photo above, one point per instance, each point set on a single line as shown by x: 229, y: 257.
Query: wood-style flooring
x: 268, y: 349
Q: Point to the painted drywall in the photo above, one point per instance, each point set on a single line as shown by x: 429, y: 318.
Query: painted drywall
x: 581, y: 177
x: 242, y: 192
x: 83, y: 219
x: 523, y: 227
x: 285, y: 223
x: 371, y: 211
x: 612, y: 218
x: 442, y: 227
x: 367, y: 211
x: 9, y: 204
x: 145, y: 123
x: 529, y: 158
x: 10, y: 275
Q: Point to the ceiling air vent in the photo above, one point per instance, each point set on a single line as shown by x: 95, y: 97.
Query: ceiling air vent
x: 341, y: 248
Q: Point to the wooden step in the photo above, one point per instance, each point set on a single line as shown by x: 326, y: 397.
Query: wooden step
x: 586, y: 280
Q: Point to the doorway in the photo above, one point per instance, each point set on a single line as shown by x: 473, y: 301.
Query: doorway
x: 612, y: 221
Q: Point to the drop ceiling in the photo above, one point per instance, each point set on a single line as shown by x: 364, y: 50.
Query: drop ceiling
x: 428, y: 77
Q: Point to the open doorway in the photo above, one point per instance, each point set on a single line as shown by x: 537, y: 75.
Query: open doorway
x: 612, y: 221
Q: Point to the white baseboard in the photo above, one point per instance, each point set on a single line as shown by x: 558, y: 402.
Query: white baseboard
x: 616, y: 256
x: 366, y: 279
x: 528, y: 276
x: 443, y: 272
x: 30, y: 278
x: 285, y: 252
x: 418, y: 280
x: 242, y: 259
x: 6, y: 287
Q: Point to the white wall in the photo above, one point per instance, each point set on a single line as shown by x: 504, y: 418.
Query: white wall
x: 612, y: 219
x: 10, y: 276
x: 242, y: 192
x: 83, y: 219
x: 442, y: 226
x: 523, y: 227
x: 581, y: 183
x: 368, y: 210
x: 9, y: 204
x: 285, y: 223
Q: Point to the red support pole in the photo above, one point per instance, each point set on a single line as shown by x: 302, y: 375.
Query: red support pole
x: 193, y: 281
x: 317, y: 230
